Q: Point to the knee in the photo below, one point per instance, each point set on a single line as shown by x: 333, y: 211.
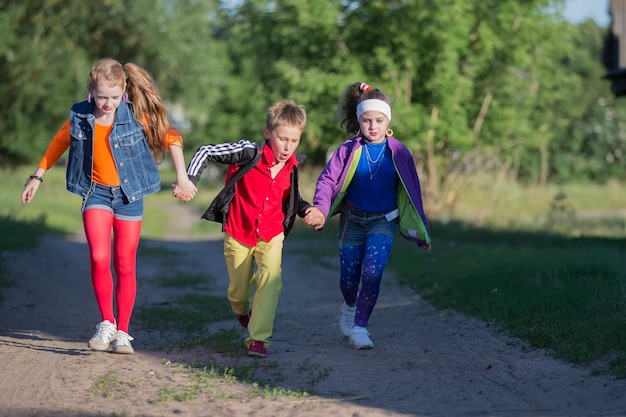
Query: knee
x: 100, y: 258
x: 272, y: 282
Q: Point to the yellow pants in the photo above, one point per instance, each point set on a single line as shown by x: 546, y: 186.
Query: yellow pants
x: 250, y: 266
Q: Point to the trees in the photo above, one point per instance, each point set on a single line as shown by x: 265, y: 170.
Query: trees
x: 506, y: 86
x: 39, y: 58
x: 48, y: 46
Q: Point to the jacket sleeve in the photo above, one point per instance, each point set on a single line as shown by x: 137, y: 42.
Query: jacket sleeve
x: 223, y: 153
x: 329, y: 181
x: 411, y: 183
x: 302, y: 205
x: 56, y: 148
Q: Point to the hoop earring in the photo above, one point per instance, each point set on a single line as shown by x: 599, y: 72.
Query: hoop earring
x: 89, y: 98
x: 125, y: 97
x: 389, y: 132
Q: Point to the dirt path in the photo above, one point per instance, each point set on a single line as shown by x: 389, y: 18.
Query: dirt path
x: 426, y: 362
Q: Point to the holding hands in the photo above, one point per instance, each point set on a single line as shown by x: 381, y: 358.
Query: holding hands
x: 314, y: 217
x: 184, y: 189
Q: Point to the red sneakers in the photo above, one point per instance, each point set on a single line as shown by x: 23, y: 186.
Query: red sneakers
x: 244, y: 320
x: 257, y: 349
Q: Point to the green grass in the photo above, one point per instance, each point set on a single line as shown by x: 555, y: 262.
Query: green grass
x: 188, y: 313
x: 207, y: 381
x: 204, y: 381
x: 111, y: 385
x: 572, y: 209
x: 564, y: 294
x: 157, y: 221
x: 58, y: 208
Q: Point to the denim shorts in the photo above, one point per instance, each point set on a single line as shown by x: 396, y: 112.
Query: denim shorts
x: 355, y: 224
x: 113, y: 199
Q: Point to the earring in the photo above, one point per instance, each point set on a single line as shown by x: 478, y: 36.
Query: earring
x: 89, y: 98
x: 125, y: 97
x: 389, y: 132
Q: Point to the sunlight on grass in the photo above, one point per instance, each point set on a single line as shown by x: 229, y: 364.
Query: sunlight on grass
x: 59, y: 209
x: 111, y: 385
x: 53, y: 204
x: 586, y: 209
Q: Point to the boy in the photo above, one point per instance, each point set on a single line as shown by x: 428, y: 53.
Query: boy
x: 257, y: 208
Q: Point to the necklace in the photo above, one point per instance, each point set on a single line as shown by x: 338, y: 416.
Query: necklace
x: 374, y: 161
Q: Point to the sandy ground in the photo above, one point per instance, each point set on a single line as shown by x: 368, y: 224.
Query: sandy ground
x: 426, y: 362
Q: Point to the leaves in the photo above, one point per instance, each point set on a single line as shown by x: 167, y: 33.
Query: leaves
x: 509, y: 79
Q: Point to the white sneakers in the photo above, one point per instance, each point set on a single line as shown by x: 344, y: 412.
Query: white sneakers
x: 106, y: 332
x: 360, y: 338
x: 347, y: 319
x: 122, y: 343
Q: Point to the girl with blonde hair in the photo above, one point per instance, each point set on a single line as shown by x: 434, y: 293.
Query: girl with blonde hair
x: 115, y: 138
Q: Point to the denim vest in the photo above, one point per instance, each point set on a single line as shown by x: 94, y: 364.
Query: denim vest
x: 136, y: 168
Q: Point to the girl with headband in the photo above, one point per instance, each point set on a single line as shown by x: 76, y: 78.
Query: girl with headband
x: 372, y: 182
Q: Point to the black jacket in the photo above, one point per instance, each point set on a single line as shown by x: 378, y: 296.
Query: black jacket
x: 246, y: 154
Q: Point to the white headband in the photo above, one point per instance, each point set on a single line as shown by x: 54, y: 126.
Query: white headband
x: 375, y: 105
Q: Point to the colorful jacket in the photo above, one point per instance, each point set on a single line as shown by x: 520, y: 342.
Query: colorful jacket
x: 336, y: 176
x: 246, y: 154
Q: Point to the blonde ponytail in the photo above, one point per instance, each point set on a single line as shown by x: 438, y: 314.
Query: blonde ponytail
x: 148, y: 108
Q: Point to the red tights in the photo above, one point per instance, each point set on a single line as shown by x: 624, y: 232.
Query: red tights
x: 98, y: 225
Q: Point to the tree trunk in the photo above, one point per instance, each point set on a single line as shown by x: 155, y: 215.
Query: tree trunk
x: 433, y: 191
x: 483, y: 111
x: 543, y: 175
x: 480, y: 219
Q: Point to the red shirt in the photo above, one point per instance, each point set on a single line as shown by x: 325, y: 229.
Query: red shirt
x: 256, y: 210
